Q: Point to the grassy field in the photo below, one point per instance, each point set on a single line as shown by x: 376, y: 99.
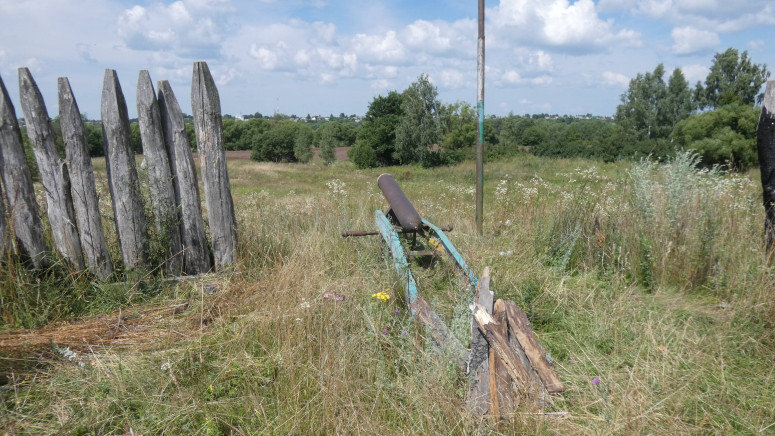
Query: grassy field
x: 650, y: 277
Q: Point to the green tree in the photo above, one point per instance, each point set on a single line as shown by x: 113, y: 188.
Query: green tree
x: 277, y: 143
x: 302, y: 144
x: 733, y: 77
x: 375, y: 143
x: 419, y: 128
x: 643, y: 111
x: 724, y: 136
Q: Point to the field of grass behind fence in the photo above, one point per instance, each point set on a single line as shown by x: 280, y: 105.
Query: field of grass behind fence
x: 649, y: 277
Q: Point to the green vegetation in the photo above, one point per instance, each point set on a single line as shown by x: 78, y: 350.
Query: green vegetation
x: 650, y: 277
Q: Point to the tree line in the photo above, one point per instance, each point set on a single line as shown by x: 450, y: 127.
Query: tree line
x: 657, y: 116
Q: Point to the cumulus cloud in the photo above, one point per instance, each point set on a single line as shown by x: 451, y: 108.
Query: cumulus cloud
x: 84, y: 51
x: 378, y: 49
x: 715, y: 15
x: 188, y: 27
x: 558, y: 24
x: 615, y: 79
x: 688, y: 40
x: 695, y: 73
x: 452, y: 79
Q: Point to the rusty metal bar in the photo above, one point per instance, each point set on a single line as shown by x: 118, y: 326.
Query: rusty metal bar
x: 350, y: 233
x: 402, y: 208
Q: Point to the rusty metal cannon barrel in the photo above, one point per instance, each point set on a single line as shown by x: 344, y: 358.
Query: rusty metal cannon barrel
x: 405, y: 213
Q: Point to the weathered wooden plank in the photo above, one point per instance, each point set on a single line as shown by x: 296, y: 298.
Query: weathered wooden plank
x: 157, y: 164
x: 122, y: 174
x: 3, y: 223
x: 448, y: 343
x: 82, y: 185
x: 390, y: 237
x: 20, y: 193
x: 765, y: 143
x: 500, y: 343
x: 206, y: 107
x: 53, y: 171
x: 192, y: 228
x: 477, y: 400
x: 519, y: 326
x: 536, y: 388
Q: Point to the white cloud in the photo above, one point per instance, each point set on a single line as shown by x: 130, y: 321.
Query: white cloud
x: 267, y: 58
x: 452, y: 79
x: 189, y: 27
x: 558, y: 24
x: 615, y: 79
x: 379, y: 48
x: 511, y: 77
x: 756, y: 44
x: 381, y: 85
x: 688, y: 40
x: 695, y: 73
x: 712, y: 15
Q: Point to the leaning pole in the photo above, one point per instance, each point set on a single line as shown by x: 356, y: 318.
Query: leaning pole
x: 480, y: 127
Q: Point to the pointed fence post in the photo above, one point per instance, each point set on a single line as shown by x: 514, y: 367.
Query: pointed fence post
x: 19, y: 191
x: 157, y: 164
x: 765, y: 142
x: 206, y: 107
x: 192, y: 228
x: 53, y: 171
x: 3, y: 228
x: 122, y: 174
x: 82, y: 186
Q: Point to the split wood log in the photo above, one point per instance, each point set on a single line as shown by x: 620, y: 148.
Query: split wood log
x: 519, y: 326
x: 206, y: 107
x: 53, y: 171
x: 448, y: 343
x: 157, y: 164
x: 192, y: 228
x: 500, y: 343
x: 765, y: 143
x: 477, y: 399
x: 82, y: 185
x: 502, y: 395
x: 128, y: 209
x: 19, y: 191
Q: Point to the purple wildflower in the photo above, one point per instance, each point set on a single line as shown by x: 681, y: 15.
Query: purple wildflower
x: 384, y: 331
x: 403, y: 332
x: 596, y: 381
x: 396, y: 312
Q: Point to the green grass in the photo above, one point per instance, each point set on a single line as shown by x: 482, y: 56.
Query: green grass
x: 670, y: 305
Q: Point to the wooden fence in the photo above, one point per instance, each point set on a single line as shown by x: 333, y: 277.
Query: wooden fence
x: 72, y: 203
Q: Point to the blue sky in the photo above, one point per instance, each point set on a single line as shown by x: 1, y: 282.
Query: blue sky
x: 325, y: 56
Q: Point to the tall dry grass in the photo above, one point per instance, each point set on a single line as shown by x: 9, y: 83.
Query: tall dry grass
x: 667, y: 300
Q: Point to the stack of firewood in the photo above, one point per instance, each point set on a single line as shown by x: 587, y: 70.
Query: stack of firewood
x: 506, y: 365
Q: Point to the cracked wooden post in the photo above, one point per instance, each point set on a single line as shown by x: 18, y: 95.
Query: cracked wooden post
x: 192, y: 228
x: 19, y: 191
x: 477, y: 400
x: 82, y: 186
x: 122, y: 174
x: 765, y: 143
x: 53, y: 171
x: 157, y: 163
x: 206, y: 107
x: 3, y: 224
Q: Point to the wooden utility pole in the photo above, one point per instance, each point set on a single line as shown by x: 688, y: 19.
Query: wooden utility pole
x: 480, y: 129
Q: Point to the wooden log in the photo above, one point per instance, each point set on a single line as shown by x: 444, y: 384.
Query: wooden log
x: 502, y: 395
x: 157, y: 164
x: 53, y: 171
x: 765, y: 144
x: 519, y: 326
x: 477, y: 399
x: 20, y: 193
x: 82, y: 185
x: 500, y: 343
x: 206, y: 107
x: 448, y: 343
x: 192, y: 228
x: 128, y: 209
x: 3, y: 223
